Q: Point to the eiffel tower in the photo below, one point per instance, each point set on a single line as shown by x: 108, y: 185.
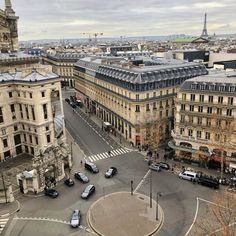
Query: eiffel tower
x: 204, y: 31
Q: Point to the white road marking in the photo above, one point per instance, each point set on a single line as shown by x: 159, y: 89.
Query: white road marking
x: 3, y: 222
x: 213, y: 203
x: 141, y: 182
x: 194, y: 219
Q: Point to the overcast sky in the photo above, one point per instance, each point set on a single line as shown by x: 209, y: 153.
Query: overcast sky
x: 40, y: 19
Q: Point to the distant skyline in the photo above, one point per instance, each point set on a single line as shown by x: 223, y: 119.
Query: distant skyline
x: 53, y: 19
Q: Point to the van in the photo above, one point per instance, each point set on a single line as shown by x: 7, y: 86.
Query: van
x: 91, y: 167
x: 188, y: 175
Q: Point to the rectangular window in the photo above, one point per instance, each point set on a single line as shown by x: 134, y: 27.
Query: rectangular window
x: 192, y: 97
x: 201, y: 98
x: 137, y: 97
x: 25, y: 139
x: 33, y: 114
x: 219, y: 111
x: 217, y: 137
x: 15, y: 128
x: 167, y: 113
x: 184, y: 96
x: 27, y: 112
x: 167, y: 103
x: 160, y: 114
x: 147, y: 107
x: 4, y: 131
x: 48, y: 138
x: 5, y: 144
x: 147, y: 95
x: 43, y: 94
x: 210, y: 99
x: 181, y: 131
x: 208, y: 121
x: 229, y: 112
x: 1, y: 116
x: 21, y: 111
x: 30, y: 137
x: 154, y: 94
x: 161, y: 104
x: 31, y: 95
x: 200, y: 109
x: 199, y: 134
x: 182, y: 118
x: 13, y: 111
x: 45, y: 112
x: 154, y: 106
x: 10, y: 94
x: 230, y: 100
x: 36, y: 140
x: 209, y: 110
x: 191, y: 108
x: 190, y: 119
x: 190, y: 132
x: 220, y: 100
x: 199, y: 120
x: 182, y: 107
x: 207, y: 135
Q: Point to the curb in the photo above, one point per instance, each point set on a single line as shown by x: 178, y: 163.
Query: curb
x: 158, y: 227
x: 13, y: 212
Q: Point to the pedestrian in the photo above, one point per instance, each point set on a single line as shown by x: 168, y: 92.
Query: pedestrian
x: 81, y: 163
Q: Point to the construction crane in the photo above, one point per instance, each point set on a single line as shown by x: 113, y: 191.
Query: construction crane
x: 95, y: 35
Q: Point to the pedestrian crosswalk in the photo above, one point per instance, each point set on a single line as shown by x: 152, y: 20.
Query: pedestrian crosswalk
x: 3, y: 222
x: 104, y: 155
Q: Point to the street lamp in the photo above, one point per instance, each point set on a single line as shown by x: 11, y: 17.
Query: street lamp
x: 159, y: 194
x: 131, y: 186
x: 4, y: 187
x: 151, y: 189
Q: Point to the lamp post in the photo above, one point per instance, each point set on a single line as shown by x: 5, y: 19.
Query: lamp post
x: 151, y: 189
x: 131, y: 186
x: 4, y: 187
x: 159, y: 194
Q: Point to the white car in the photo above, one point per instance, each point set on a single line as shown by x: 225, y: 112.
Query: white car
x: 188, y: 175
x: 75, y: 219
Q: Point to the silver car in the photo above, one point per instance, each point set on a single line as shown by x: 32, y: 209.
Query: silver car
x: 90, y: 189
x: 75, y: 219
x: 155, y: 167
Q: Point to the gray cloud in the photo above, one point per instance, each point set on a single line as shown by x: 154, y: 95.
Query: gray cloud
x: 70, y: 18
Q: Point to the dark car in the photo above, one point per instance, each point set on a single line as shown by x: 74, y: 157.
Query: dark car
x: 51, y: 192
x: 209, y: 182
x: 91, y: 167
x: 75, y: 219
x: 67, y: 100
x: 82, y: 177
x: 111, y: 172
x: 69, y: 182
x: 72, y: 104
x: 88, y: 191
x: 164, y: 165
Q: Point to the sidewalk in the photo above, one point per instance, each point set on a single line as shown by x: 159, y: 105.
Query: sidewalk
x: 7, y: 209
x: 122, y: 214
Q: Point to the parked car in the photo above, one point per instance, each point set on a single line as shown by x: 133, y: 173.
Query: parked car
x: 69, y: 182
x: 67, y: 100
x: 73, y: 105
x: 91, y: 167
x: 88, y: 191
x: 208, y: 181
x: 51, y: 192
x: 111, y: 172
x: 82, y: 177
x: 75, y: 219
x: 155, y: 167
x: 188, y: 175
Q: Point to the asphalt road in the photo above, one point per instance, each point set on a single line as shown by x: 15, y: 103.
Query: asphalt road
x: 49, y: 217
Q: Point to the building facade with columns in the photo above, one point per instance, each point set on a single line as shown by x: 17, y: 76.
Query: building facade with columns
x: 8, y: 28
x: 138, y: 101
x: 32, y: 121
x: 205, y: 120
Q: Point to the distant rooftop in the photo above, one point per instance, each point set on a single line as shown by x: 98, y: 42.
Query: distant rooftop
x: 70, y: 56
x: 15, y: 56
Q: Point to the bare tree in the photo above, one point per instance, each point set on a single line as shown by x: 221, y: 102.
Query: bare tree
x: 220, y: 216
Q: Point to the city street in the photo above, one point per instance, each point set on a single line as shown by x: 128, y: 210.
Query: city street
x: 40, y: 215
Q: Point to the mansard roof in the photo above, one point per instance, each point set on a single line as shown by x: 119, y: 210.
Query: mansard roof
x: 218, y: 82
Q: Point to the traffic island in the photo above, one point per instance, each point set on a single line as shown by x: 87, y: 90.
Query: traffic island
x: 122, y: 214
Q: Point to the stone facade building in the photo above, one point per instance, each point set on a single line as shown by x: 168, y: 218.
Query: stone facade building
x: 63, y: 64
x: 205, y: 119
x: 138, y: 101
x: 8, y: 28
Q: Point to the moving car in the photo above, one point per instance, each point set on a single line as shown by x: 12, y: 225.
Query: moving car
x: 51, y: 192
x: 155, y: 167
x: 82, y: 177
x: 91, y: 167
x: 75, y: 219
x: 188, y: 175
x: 111, y: 172
x: 67, y: 100
x: 69, y: 182
x: 73, y: 105
x: 89, y: 190
x: 164, y: 165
